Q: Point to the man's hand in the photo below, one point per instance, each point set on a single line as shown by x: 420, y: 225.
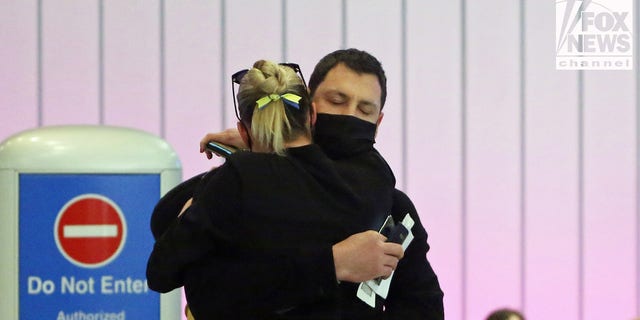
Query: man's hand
x: 229, y: 137
x: 365, y: 256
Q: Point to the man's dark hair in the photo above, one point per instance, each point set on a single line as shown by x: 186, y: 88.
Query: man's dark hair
x: 356, y: 60
x: 505, y: 314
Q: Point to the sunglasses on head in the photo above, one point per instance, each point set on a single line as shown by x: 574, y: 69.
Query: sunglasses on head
x: 237, y: 77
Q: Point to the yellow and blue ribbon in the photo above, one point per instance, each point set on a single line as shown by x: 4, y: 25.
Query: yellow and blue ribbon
x: 290, y: 99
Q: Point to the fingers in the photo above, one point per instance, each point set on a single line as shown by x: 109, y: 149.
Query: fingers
x: 391, y: 259
x: 203, y: 142
x: 389, y: 265
x: 392, y: 254
x: 387, y: 272
x: 393, y: 249
x: 229, y: 137
x: 365, y: 256
x: 375, y: 235
x: 207, y: 153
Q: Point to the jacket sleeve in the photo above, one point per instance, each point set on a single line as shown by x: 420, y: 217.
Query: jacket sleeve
x: 166, y: 210
x: 280, y: 283
x: 194, y: 235
x: 415, y: 292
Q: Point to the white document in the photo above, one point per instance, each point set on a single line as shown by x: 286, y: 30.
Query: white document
x: 367, y: 291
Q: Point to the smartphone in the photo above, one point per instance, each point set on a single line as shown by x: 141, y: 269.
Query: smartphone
x: 220, y: 149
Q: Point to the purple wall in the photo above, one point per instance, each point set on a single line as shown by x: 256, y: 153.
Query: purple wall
x: 526, y: 178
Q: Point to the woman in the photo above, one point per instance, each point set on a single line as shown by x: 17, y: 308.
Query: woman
x: 284, y: 195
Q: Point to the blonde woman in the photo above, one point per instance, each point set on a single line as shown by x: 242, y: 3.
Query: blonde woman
x: 284, y: 197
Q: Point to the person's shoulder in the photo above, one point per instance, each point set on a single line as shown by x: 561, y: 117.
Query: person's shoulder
x: 248, y: 157
x: 402, y: 205
x: 252, y: 163
x: 383, y: 166
x: 308, y: 154
x: 401, y: 197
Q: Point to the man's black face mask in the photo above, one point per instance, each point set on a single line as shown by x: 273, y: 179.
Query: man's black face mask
x: 343, y: 136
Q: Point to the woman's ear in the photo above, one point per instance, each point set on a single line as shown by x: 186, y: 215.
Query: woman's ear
x: 243, y: 133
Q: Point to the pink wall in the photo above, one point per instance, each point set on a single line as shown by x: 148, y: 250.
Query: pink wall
x: 525, y: 177
x: 552, y: 261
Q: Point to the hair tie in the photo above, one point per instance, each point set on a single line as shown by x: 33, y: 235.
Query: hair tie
x: 293, y: 100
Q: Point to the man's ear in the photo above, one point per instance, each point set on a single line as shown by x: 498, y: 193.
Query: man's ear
x: 243, y: 133
x: 378, y: 122
x: 313, y: 114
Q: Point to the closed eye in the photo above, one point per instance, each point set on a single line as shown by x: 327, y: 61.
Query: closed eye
x: 367, y: 108
x: 337, y: 98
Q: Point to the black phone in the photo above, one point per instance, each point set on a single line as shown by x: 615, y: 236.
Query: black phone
x: 220, y: 149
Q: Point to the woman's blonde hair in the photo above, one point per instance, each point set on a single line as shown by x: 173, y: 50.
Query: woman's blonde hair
x: 274, y: 122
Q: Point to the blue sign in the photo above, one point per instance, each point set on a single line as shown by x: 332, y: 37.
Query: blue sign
x: 51, y: 285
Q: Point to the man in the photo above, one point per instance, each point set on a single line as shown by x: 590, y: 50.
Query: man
x: 348, y: 87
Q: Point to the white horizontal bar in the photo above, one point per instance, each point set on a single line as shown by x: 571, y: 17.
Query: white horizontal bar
x: 90, y: 231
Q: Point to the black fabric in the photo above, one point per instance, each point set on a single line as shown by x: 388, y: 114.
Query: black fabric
x: 165, y: 211
x: 307, y: 275
x: 415, y: 291
x: 254, y: 211
x: 342, y: 136
x: 293, y: 284
x: 348, y: 141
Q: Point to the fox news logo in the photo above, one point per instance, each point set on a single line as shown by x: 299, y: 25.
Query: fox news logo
x: 594, y: 35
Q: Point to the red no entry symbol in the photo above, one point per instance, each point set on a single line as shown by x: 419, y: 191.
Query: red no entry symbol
x: 90, y: 231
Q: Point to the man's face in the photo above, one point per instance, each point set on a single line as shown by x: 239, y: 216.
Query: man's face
x: 346, y: 92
